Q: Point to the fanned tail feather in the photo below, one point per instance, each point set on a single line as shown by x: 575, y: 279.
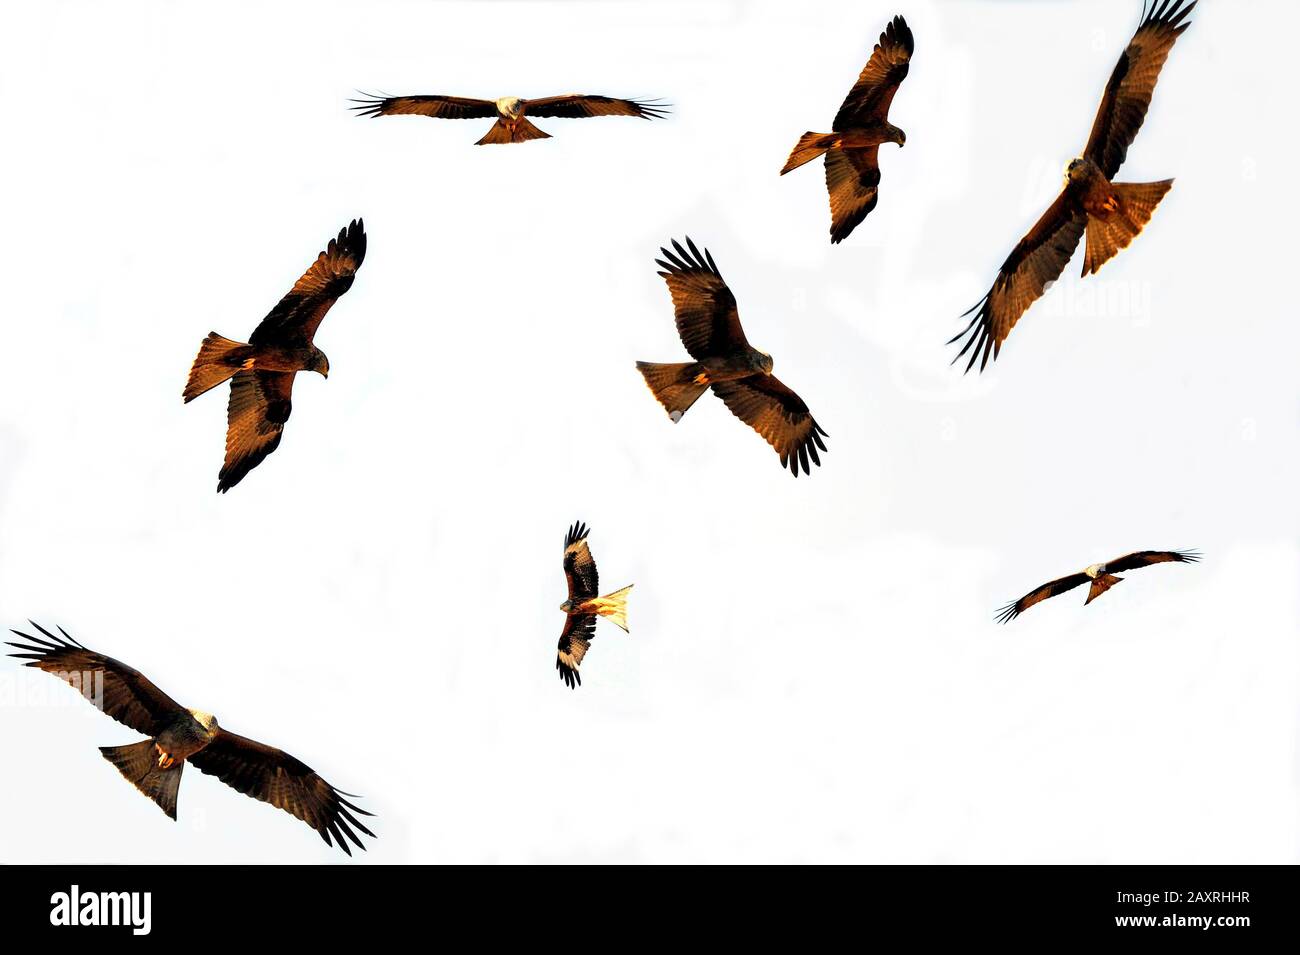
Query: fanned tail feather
x: 218, y: 359
x: 674, y: 385
x: 613, y: 606
x: 808, y: 148
x: 520, y: 132
x: 138, y: 764
x: 1137, y: 201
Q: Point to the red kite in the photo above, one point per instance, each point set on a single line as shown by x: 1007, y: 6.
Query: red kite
x: 1112, y: 213
x: 510, y: 112
x: 178, y: 736
x: 1100, y: 577
x: 860, y: 127
x: 708, y: 324
x: 584, y: 605
x: 263, y: 370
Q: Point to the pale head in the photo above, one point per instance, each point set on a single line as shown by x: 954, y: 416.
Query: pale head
x: 510, y: 106
x: 762, y: 361
x: 206, y: 720
x: 1095, y: 570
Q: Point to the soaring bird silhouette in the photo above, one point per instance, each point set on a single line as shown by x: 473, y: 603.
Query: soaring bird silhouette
x: 584, y: 605
x: 1099, y: 577
x: 860, y: 128
x: 263, y: 370
x: 511, y: 112
x: 178, y: 736
x: 708, y: 323
x: 1112, y: 213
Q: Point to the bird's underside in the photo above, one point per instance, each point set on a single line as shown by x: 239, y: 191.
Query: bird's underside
x: 510, y: 112
x: 708, y: 324
x: 860, y: 128
x: 1111, y: 214
x: 176, y: 736
x: 1099, y: 578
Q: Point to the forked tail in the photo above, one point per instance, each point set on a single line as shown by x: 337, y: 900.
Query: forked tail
x: 519, y: 132
x: 1135, y: 203
x: 138, y: 763
x: 808, y: 148
x: 613, y: 606
x: 675, y: 386
x: 1100, y: 585
x: 218, y: 359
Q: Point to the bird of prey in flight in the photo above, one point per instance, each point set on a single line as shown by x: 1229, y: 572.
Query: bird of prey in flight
x: 261, y: 372
x: 1112, y: 213
x: 584, y: 605
x: 860, y: 127
x: 708, y: 324
x: 510, y: 112
x: 1099, y: 577
x: 177, y: 736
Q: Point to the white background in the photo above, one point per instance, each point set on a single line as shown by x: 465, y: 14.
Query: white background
x: 813, y: 671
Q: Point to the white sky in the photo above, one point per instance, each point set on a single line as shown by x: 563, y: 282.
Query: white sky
x: 813, y: 672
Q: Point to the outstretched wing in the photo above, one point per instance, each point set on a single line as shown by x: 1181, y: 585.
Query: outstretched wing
x: 1128, y: 92
x: 439, y: 107
x: 1050, y: 589
x: 871, y: 95
x: 852, y: 178
x: 580, y: 106
x: 778, y: 414
x: 707, y: 319
x: 1144, y: 558
x: 579, y: 568
x: 123, y: 693
x: 297, y: 316
x: 575, y: 640
x: 1036, y: 261
x: 260, y: 402
x: 275, y: 777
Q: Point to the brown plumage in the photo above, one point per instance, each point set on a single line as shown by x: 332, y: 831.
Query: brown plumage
x: 1112, y: 213
x: 177, y: 735
x: 584, y: 605
x: 860, y: 127
x: 1100, y: 577
x: 261, y: 372
x: 708, y: 324
x: 512, y: 125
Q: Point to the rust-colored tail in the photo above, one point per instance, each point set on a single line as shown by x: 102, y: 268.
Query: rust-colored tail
x: 613, y: 606
x: 808, y: 148
x: 138, y: 763
x: 519, y: 132
x: 674, y: 385
x: 1100, y: 585
x: 1137, y: 200
x: 218, y: 359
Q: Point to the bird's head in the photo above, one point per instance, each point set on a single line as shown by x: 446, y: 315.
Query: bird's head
x: 320, y: 364
x: 762, y: 362
x: 896, y: 135
x: 206, y: 720
x: 567, y: 606
x: 1076, y: 170
x: 509, y: 106
x: 1094, y: 571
